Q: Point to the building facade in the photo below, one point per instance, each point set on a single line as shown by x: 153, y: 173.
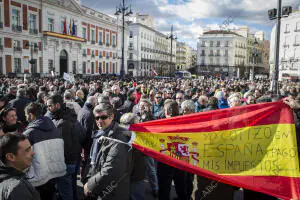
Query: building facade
x: 184, y: 56
x: 56, y: 36
x: 149, y: 51
x: 289, y: 48
x: 221, y: 52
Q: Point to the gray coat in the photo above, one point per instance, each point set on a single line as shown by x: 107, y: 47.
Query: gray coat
x: 110, y: 176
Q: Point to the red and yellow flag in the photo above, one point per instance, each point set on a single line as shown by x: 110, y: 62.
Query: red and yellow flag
x: 252, y: 147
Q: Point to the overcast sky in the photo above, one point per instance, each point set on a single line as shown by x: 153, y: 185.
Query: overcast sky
x: 190, y: 17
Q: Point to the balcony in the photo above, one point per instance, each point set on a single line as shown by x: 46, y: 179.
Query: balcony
x: 107, y: 56
x: 17, y: 49
x: 93, y: 55
x: 296, y: 44
x: 84, y: 54
x: 16, y: 28
x: 100, y: 43
x: 211, y: 55
x: 114, y: 46
x: 202, y: 45
x: 130, y: 36
x: 218, y: 55
x: 286, y: 31
x: 35, y: 51
x: 100, y: 56
x: 33, y: 31
x: 107, y: 44
x: 297, y: 30
x: 130, y: 48
x: 93, y: 42
x: 1, y: 25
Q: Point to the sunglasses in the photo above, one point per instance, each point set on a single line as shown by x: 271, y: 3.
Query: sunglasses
x: 103, y: 117
x: 158, y: 97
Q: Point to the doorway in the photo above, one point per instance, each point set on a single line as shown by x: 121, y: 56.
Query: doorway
x: 63, y: 62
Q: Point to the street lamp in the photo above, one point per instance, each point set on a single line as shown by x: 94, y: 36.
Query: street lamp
x: 122, y: 9
x: 172, y: 37
x: 254, y: 56
x: 277, y: 14
x: 33, y: 47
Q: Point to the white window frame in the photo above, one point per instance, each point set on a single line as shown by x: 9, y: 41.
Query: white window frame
x: 84, y: 33
x: 91, y: 34
x: 20, y: 17
x: 36, y: 20
x: 14, y: 65
x: 53, y: 25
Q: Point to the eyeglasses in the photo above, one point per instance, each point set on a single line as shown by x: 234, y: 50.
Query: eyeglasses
x: 158, y: 97
x: 178, y: 98
x: 103, y: 117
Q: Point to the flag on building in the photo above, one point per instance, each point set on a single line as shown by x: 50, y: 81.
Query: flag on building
x: 65, y: 26
x: 253, y: 147
x: 70, y: 28
x: 154, y: 72
x: 73, y: 28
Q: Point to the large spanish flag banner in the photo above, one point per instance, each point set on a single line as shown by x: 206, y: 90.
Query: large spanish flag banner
x: 252, y: 147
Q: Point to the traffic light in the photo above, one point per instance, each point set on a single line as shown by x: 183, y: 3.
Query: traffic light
x: 272, y: 13
x: 286, y: 10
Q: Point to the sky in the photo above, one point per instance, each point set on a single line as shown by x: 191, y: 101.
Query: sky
x: 191, y: 18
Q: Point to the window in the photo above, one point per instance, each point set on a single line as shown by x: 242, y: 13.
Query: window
x: 203, y: 44
x: 32, y: 23
x: 16, y: 17
x: 50, y: 66
x: 226, y: 52
x: 114, y: 40
x: 93, y: 35
x: 211, y: 53
x: 100, y: 68
x: 131, y: 34
x: 297, y: 27
x: 107, y: 39
x: 100, y: 37
x: 1, y: 43
x: 106, y: 70
x: 287, y: 28
x: 17, y: 43
x: 1, y: 20
x: 218, y: 52
x: 84, y: 67
x: 17, y: 65
x: 211, y: 43
x: 74, y: 67
x: 50, y: 24
x: 297, y: 40
x: 226, y: 43
x: 62, y: 26
x: 131, y: 56
x: 211, y: 61
x: 84, y: 32
x: 218, y: 43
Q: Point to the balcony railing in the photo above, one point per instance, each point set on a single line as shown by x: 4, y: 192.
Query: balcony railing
x: 107, y: 44
x: 93, y: 55
x: 130, y: 48
x: 84, y: 54
x: 93, y: 42
x: 297, y: 30
x: 100, y: 56
x: 218, y: 55
x: 203, y: 54
x: 296, y: 45
x: 1, y: 24
x: 100, y: 43
x: 203, y: 45
x: 16, y: 28
x: 287, y: 31
x: 210, y: 55
x: 107, y: 56
x: 17, y: 49
x: 114, y: 46
x: 33, y: 31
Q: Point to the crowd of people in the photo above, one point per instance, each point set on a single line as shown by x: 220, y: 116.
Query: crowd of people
x: 52, y: 130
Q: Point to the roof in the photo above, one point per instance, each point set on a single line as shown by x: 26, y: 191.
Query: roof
x: 221, y: 32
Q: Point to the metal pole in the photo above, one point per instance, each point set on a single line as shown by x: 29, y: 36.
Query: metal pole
x: 277, y: 47
x: 123, y: 36
x: 171, y: 50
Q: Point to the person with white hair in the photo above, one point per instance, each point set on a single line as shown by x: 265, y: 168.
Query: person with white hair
x: 116, y: 93
x: 234, y: 100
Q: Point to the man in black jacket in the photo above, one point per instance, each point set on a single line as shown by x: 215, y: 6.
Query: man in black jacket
x: 111, y: 158
x: 86, y: 119
x: 65, y: 120
x: 16, y: 156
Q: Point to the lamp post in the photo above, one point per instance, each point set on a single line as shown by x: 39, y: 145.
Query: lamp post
x: 33, y: 47
x: 277, y: 14
x: 254, y: 56
x: 172, y: 37
x: 122, y: 9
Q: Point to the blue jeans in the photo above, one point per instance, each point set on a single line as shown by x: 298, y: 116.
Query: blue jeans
x: 64, y: 183
x: 137, y: 190
x: 152, y: 173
